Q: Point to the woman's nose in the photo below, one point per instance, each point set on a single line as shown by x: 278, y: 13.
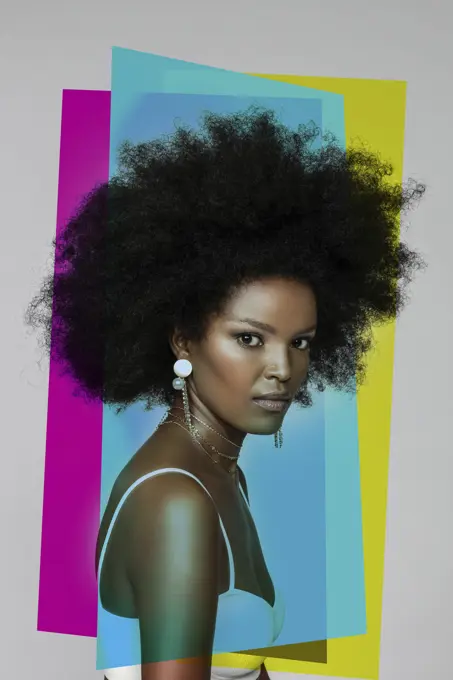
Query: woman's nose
x: 279, y: 366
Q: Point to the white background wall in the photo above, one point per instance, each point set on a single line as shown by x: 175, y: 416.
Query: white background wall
x: 50, y: 45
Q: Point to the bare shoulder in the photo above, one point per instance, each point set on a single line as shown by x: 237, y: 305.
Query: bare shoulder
x: 170, y: 514
x: 163, y: 488
x: 157, y: 482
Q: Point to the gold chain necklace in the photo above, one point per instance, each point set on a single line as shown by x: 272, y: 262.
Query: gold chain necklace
x: 198, y: 435
x: 210, y: 428
x: 165, y: 420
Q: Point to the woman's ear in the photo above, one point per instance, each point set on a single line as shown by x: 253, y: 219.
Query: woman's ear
x: 179, y: 345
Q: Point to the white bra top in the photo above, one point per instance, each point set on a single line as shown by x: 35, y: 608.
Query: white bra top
x: 244, y: 620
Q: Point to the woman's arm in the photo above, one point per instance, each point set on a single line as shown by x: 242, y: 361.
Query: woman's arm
x: 173, y: 569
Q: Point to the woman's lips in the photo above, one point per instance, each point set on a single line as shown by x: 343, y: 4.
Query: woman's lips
x: 273, y: 405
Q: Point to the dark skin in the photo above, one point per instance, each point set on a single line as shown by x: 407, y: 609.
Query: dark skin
x: 166, y: 562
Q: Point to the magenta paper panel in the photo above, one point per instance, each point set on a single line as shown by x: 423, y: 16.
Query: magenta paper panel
x: 72, y: 482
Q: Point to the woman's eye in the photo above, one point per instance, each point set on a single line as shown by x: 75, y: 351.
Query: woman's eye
x: 249, y: 340
x: 302, y: 343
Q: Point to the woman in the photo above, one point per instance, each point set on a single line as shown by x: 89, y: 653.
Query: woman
x: 222, y: 273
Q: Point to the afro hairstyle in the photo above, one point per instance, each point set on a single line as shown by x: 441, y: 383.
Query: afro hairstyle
x: 190, y: 217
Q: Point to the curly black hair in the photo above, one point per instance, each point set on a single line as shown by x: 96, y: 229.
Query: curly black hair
x: 191, y: 216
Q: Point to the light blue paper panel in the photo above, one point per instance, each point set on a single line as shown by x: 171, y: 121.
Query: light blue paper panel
x: 306, y: 498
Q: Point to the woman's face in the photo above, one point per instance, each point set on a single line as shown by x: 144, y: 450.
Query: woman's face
x: 255, y: 354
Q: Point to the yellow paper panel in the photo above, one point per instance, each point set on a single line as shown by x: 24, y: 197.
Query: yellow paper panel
x: 374, y: 113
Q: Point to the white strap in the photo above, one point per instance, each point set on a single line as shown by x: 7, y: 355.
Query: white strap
x: 243, y: 494
x: 126, y: 495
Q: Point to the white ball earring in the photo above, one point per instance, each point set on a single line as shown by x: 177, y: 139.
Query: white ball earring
x: 182, y: 368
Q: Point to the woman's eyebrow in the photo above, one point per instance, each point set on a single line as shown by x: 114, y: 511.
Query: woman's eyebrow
x: 270, y: 329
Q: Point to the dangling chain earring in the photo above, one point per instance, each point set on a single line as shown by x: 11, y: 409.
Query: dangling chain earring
x: 278, y: 439
x: 183, y: 368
